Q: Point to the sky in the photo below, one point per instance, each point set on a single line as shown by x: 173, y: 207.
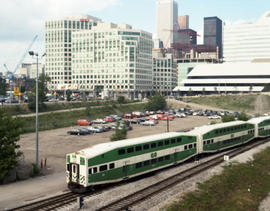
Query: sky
x: 21, y: 20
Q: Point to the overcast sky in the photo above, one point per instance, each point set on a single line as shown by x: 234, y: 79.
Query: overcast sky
x: 21, y: 20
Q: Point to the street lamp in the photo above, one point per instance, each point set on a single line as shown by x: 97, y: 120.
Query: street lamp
x: 32, y: 53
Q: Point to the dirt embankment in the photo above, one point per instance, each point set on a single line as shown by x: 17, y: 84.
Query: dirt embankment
x: 262, y: 104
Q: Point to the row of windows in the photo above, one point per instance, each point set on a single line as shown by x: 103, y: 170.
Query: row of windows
x: 251, y: 131
x: 101, y: 168
x: 208, y: 142
x: 153, y: 161
x: 148, y: 146
x: 231, y: 129
x: 231, y: 140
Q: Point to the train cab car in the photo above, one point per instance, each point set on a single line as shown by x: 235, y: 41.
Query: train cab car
x: 224, y: 135
x: 262, y: 126
x: 116, y: 161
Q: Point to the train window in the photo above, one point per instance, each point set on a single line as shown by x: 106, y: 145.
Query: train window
x: 153, y: 161
x: 89, y: 171
x: 121, y: 151
x: 146, y: 146
x: 94, y: 170
x: 102, y: 155
x: 139, y: 165
x: 138, y: 148
x: 111, y: 166
x: 68, y: 167
x: 153, y: 145
x: 194, y: 145
x: 204, y: 142
x: 160, y: 159
x: 74, y: 169
x: 167, y: 142
x: 185, y: 148
x: 189, y: 137
x: 103, y: 168
x: 146, y: 163
x: 208, y: 141
x: 179, y: 140
x: 167, y: 157
x: 160, y: 143
x: 173, y: 141
x: 212, y: 141
x: 190, y: 146
x: 130, y: 150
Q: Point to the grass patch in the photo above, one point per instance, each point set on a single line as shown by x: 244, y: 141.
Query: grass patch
x: 243, y: 103
x: 23, y: 109
x: 240, y: 187
x: 66, y: 119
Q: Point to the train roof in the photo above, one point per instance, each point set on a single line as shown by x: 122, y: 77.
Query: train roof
x: 206, y: 128
x: 105, y: 147
x: 257, y: 120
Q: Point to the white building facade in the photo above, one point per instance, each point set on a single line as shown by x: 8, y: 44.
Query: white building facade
x: 247, y: 41
x: 58, y: 34
x: 230, y: 77
x: 112, y: 57
x: 166, y: 20
x: 164, y: 73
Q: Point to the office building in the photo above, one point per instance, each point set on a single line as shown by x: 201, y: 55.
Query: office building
x: 58, y: 38
x: 29, y: 70
x: 112, y: 57
x: 183, y: 22
x: 230, y: 77
x: 213, y: 33
x: 164, y: 73
x: 244, y: 42
x: 166, y: 20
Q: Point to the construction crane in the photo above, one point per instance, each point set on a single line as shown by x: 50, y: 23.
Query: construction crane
x: 10, y: 74
x: 179, y: 46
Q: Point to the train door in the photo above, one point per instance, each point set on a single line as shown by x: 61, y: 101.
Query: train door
x: 125, y: 169
x: 176, y: 156
x: 75, y: 172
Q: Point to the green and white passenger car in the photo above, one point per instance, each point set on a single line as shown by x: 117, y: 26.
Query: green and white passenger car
x: 217, y: 137
x: 262, y: 126
x: 116, y: 161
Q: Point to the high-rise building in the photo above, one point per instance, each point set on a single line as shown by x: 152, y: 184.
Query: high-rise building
x: 183, y: 22
x: 58, y: 35
x: 166, y: 20
x: 112, y: 57
x: 213, y: 33
x: 245, y: 42
x: 164, y: 73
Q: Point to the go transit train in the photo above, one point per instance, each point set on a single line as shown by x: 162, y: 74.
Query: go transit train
x: 115, y: 161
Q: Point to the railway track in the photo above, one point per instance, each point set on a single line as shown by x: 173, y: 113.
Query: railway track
x: 141, y: 195
x: 60, y: 201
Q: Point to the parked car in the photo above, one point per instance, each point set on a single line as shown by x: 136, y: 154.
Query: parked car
x: 214, y: 117
x: 78, y: 132
x: 83, y: 122
x: 106, y: 128
x: 128, y: 116
x: 148, y: 123
x: 95, y: 129
x: 109, y: 119
x: 99, y: 121
x: 116, y: 117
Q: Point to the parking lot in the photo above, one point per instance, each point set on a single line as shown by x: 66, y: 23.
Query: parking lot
x: 54, y: 144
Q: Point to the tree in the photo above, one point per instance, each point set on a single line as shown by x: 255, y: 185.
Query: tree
x: 250, y: 88
x: 243, y: 117
x: 155, y: 103
x: 121, y: 99
x: 215, y: 89
x: 203, y: 91
x: 190, y: 92
x: 9, y: 136
x: 68, y: 93
x: 3, y: 86
x: 42, y: 91
x: 227, y: 118
x: 119, y: 134
x: 266, y: 88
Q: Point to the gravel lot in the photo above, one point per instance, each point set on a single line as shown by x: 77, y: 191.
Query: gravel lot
x: 54, y: 145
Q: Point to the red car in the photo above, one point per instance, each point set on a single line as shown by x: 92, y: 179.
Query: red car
x: 109, y: 119
x: 128, y: 116
x: 83, y: 122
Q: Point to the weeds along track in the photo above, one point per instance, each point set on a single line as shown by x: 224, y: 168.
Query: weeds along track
x: 156, y: 188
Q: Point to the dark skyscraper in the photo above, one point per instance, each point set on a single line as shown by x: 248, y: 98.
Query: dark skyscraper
x: 213, y: 33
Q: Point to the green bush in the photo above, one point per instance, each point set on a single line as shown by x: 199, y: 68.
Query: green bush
x: 226, y: 118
